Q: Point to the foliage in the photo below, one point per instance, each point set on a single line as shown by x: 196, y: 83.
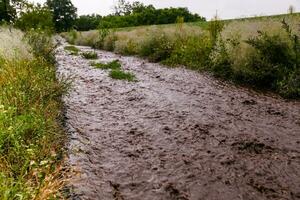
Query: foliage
x: 72, y: 49
x: 7, y: 11
x: 103, y: 33
x: 135, y: 14
x: 157, y: 47
x: 36, y: 17
x: 89, y: 55
x: 31, y: 138
x: 192, y: 52
x: 115, y: 64
x: 42, y: 45
x: 269, y: 60
x: 120, y: 75
x: 64, y: 14
x: 215, y: 27
x: 87, y: 22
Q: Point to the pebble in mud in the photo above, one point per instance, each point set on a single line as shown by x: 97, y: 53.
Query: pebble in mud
x: 176, y: 134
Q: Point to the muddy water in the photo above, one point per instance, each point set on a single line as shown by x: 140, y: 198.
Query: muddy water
x: 176, y: 134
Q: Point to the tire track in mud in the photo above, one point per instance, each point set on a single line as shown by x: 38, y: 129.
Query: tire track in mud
x: 176, y: 134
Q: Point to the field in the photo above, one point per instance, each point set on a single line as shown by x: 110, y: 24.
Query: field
x: 262, y: 52
x: 31, y: 136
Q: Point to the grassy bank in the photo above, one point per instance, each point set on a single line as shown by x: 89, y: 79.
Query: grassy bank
x: 262, y: 52
x: 31, y: 137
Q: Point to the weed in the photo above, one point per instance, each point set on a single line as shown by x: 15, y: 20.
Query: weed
x: 111, y: 65
x: 120, y: 75
x: 89, y: 55
x: 31, y: 137
x: 72, y: 49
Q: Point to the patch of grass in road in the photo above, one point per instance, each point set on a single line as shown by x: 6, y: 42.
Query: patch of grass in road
x: 89, y: 55
x: 72, y: 49
x: 121, y: 75
x: 115, y: 64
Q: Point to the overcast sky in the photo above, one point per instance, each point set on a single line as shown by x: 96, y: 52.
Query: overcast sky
x: 207, y: 8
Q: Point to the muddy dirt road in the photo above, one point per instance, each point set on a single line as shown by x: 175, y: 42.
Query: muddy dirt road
x: 176, y: 134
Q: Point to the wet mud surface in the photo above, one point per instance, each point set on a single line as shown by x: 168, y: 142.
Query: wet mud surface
x: 176, y: 134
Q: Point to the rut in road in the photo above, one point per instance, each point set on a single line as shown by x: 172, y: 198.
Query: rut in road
x: 176, y: 134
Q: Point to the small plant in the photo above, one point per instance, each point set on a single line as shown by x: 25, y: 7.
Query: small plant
x: 72, y: 49
x: 120, y: 75
x: 111, y: 65
x: 89, y: 55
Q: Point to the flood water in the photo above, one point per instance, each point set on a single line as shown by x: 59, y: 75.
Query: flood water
x: 176, y: 134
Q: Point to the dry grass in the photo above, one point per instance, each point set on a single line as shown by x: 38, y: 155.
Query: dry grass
x: 12, y: 45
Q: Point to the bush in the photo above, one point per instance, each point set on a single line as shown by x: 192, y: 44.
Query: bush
x: 157, y: 47
x: 42, y: 44
x: 192, y: 52
x: 268, y: 60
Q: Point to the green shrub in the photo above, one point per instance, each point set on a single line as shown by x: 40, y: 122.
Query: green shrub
x: 72, y: 36
x: 109, y: 42
x: 89, y: 55
x: 120, y: 75
x: 72, y: 49
x: 102, y: 34
x: 157, y: 47
x: 192, y: 52
x: 268, y: 60
x: 111, y: 65
x: 42, y: 44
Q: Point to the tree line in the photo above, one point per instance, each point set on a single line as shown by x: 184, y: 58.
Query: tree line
x: 135, y: 14
x: 61, y: 15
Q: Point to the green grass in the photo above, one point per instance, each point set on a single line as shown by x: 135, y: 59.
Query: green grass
x: 111, y: 65
x: 72, y: 49
x: 120, y: 75
x: 31, y: 135
x: 90, y: 55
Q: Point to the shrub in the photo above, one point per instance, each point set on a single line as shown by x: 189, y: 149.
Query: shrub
x: 120, y: 75
x: 89, y: 55
x: 192, y: 52
x: 157, y: 47
x: 109, y: 42
x: 111, y: 65
x: 42, y: 44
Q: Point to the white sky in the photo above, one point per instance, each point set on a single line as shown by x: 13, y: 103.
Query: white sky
x: 207, y: 8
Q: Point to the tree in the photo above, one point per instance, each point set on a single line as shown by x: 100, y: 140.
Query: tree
x: 291, y: 9
x: 7, y: 12
x: 64, y: 14
x: 36, y: 17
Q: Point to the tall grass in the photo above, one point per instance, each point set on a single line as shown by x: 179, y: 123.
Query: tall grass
x: 243, y: 51
x: 31, y: 137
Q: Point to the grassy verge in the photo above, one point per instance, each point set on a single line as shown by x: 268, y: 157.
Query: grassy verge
x: 31, y: 137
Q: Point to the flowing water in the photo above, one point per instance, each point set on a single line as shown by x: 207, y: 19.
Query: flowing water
x: 176, y: 134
